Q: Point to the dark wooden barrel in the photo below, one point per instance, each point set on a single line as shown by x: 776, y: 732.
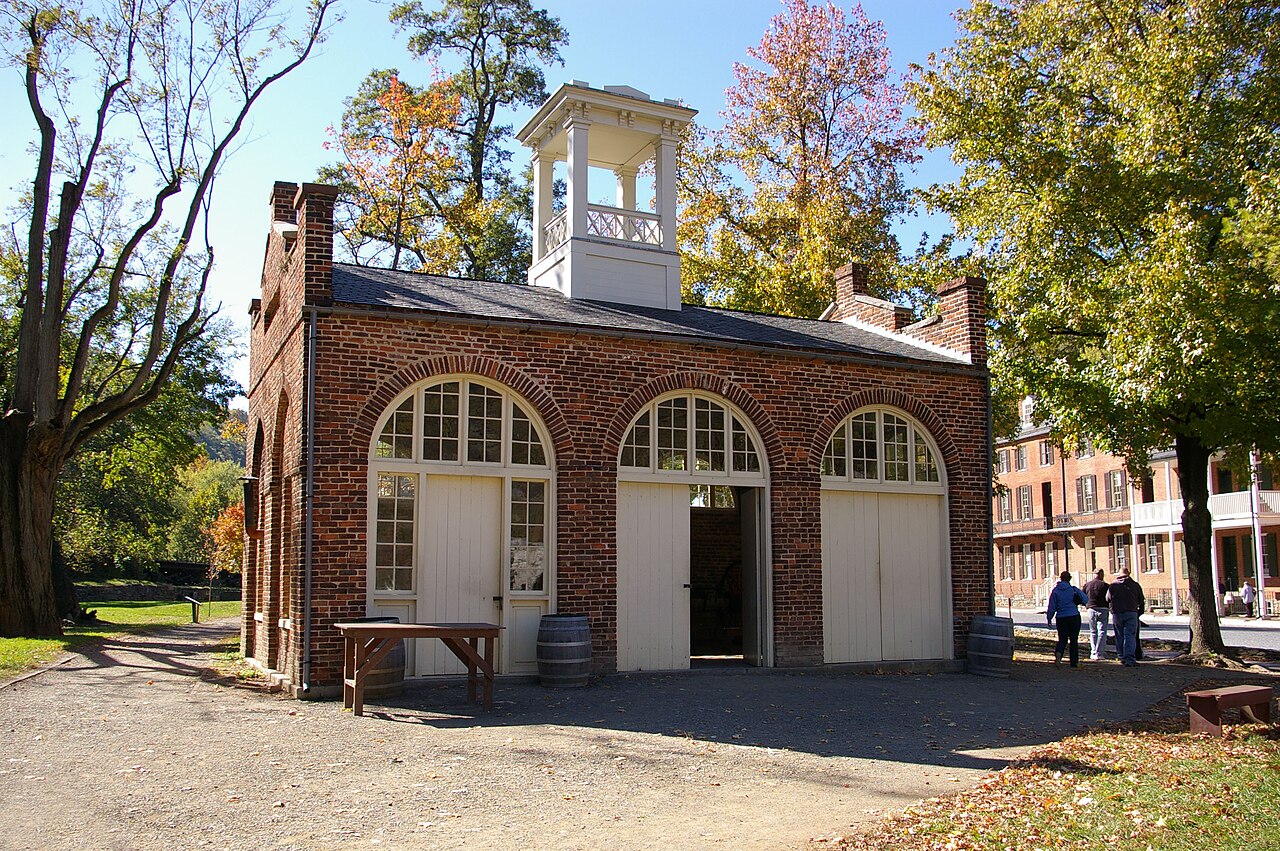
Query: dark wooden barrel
x: 564, y: 651
x: 387, y: 679
x: 990, y: 646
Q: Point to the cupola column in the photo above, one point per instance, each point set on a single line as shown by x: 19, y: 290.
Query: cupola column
x: 543, y: 179
x: 665, y: 183
x: 576, y: 126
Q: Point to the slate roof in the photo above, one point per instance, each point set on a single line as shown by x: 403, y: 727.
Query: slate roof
x: 387, y: 289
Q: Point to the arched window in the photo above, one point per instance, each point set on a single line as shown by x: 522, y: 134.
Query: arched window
x: 691, y: 435
x: 881, y: 446
x: 462, y: 421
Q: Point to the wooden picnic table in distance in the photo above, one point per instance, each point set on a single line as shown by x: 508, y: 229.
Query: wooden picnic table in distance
x: 365, y: 644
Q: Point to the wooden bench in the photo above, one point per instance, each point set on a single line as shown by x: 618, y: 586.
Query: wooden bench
x: 365, y: 645
x: 1206, y: 706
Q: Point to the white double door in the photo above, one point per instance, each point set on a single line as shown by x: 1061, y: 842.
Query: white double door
x: 884, y: 577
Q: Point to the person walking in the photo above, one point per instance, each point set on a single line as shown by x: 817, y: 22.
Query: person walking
x: 1095, y: 595
x: 1064, y: 602
x: 1127, y: 603
x: 1248, y: 594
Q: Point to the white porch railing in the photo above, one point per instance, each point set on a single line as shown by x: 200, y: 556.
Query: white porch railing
x: 1228, y: 509
x: 623, y: 225
x: 556, y: 231
x: 608, y: 223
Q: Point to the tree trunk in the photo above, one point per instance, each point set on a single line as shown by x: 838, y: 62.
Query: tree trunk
x: 28, y: 473
x: 1197, y: 534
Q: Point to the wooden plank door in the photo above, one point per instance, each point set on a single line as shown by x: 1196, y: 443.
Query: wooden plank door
x: 461, y: 564
x: 653, y: 576
x: 851, y: 616
x: 912, y: 577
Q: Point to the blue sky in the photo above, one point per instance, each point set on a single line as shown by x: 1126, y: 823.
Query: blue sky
x: 667, y: 48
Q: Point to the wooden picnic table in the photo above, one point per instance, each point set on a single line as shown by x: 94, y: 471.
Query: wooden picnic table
x: 365, y: 645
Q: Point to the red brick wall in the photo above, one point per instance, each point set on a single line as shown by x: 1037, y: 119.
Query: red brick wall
x: 586, y: 388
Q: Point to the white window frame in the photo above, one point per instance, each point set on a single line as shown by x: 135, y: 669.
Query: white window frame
x: 1024, y: 502
x: 1020, y: 457
x: 1046, y: 453
x: 916, y: 432
x: 728, y: 476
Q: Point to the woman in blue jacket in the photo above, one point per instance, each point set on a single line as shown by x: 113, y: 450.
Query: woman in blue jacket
x: 1064, y: 602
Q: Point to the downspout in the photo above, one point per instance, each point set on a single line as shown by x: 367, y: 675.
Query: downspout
x: 308, y: 435
x: 991, y: 495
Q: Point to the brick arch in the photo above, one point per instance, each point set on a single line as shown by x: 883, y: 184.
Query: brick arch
x: 706, y: 382
x: 894, y: 399
x: 533, y: 392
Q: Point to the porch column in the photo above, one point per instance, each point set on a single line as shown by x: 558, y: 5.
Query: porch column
x: 665, y: 183
x: 626, y: 187
x: 542, y: 182
x: 576, y: 126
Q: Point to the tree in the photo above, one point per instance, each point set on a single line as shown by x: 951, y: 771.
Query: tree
x: 136, y: 105
x: 396, y: 206
x: 119, y: 503
x: 501, y: 44
x: 1108, y: 149
x: 805, y: 175
x: 225, y: 534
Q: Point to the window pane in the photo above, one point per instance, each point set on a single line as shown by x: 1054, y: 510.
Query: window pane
x: 834, y: 460
x: 673, y: 434
x: 708, y: 433
x: 896, y: 437
x: 926, y: 467
x: 440, y: 422
x: 862, y: 447
x: 745, y: 457
x: 394, y: 532
x: 396, y: 440
x: 526, y: 446
x: 635, y: 449
x: 528, y: 536
x: 484, y: 424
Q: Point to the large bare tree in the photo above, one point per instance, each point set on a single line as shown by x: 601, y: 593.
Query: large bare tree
x: 103, y: 273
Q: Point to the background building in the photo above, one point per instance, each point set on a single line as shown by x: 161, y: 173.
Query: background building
x: 1080, y: 511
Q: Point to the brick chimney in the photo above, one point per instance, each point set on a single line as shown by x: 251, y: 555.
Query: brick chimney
x: 961, y: 322
x: 313, y: 205
x: 854, y: 301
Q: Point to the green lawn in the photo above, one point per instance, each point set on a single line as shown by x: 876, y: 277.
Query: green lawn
x: 118, y: 618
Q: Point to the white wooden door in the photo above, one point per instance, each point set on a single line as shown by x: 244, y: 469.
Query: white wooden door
x: 884, y: 577
x: 912, y: 575
x: 851, y: 628
x: 653, y: 576
x: 461, y: 563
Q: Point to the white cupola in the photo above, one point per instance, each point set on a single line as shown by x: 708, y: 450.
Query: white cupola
x: 609, y: 253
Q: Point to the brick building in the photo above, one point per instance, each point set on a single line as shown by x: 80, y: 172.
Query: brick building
x: 1080, y: 511
x: 696, y: 481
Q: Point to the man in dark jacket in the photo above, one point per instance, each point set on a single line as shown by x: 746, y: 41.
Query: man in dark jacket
x: 1095, y: 594
x: 1127, y: 603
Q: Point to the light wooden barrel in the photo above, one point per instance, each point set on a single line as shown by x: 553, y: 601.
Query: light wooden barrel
x: 990, y: 646
x: 564, y: 651
x: 386, y: 680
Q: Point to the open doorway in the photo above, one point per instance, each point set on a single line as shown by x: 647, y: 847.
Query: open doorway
x: 725, y: 548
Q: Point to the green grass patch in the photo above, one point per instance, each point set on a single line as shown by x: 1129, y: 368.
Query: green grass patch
x: 117, y: 618
x: 1125, y: 790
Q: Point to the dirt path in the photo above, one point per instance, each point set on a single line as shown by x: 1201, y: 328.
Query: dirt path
x: 127, y: 747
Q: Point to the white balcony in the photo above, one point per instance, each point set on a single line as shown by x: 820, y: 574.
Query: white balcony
x: 1229, y: 511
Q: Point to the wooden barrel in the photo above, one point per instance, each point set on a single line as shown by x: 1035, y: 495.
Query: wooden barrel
x: 990, y: 646
x: 387, y: 679
x: 564, y: 651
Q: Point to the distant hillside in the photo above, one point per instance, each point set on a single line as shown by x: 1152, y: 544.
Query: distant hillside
x: 222, y: 447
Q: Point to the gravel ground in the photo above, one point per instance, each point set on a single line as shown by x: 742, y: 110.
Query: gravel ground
x: 127, y: 746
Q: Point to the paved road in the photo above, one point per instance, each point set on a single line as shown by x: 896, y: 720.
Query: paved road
x: 1236, y: 631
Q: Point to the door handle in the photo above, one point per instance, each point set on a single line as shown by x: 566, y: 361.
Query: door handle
x: 498, y: 599
x: 687, y: 585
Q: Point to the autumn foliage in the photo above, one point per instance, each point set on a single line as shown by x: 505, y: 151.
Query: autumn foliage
x: 226, y: 539
x: 805, y: 175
